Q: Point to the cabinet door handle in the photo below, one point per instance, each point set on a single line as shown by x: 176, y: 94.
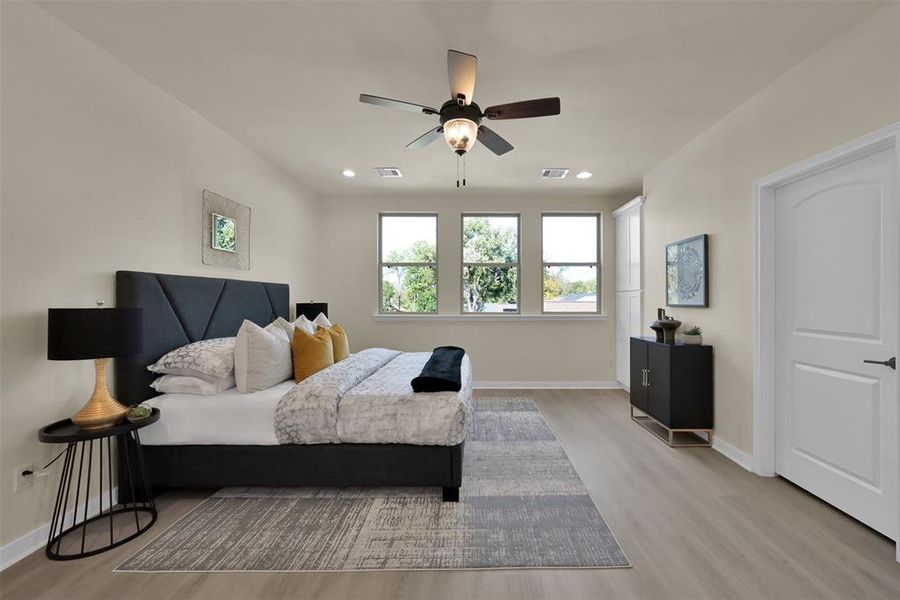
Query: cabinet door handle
x: 891, y: 362
x: 647, y: 378
x: 644, y: 378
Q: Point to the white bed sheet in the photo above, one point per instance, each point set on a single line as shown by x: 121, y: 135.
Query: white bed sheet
x: 229, y: 417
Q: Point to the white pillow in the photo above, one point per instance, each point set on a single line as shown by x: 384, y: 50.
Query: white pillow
x: 286, y: 325
x: 185, y: 384
x: 262, y: 357
x: 322, y: 321
x: 302, y: 323
x: 210, y: 359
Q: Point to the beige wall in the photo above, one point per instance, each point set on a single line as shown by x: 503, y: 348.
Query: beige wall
x: 519, y: 351
x: 103, y: 171
x: 846, y: 89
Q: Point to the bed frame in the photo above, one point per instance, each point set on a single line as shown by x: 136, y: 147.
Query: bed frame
x: 179, y: 310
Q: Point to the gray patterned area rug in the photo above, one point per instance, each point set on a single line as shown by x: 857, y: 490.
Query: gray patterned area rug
x: 522, y: 505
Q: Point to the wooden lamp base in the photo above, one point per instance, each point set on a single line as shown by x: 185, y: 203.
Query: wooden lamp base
x: 102, y: 410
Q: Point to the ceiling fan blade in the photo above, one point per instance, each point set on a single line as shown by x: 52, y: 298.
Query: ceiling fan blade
x: 493, y: 141
x: 426, y: 138
x: 461, y: 68
x: 399, y: 104
x: 542, y: 107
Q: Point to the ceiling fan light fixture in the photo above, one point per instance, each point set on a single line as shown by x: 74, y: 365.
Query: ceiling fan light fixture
x: 460, y: 134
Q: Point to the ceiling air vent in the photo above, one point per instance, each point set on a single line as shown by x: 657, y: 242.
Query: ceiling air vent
x: 554, y: 173
x: 387, y: 172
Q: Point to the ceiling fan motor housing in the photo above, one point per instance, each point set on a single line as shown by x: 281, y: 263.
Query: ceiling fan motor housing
x: 451, y: 110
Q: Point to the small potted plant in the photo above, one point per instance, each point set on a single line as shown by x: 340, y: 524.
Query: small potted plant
x: 138, y: 413
x: 692, y: 334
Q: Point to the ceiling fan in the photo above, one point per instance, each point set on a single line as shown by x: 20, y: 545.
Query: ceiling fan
x: 460, y: 117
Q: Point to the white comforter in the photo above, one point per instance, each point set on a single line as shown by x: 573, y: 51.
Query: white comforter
x: 367, y: 398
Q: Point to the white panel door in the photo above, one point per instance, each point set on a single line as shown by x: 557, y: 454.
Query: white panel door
x: 628, y: 250
x: 628, y: 287
x: 633, y: 281
x: 621, y: 253
x: 628, y: 324
x: 836, y: 306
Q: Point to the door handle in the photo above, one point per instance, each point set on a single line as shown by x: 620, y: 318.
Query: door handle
x: 644, y: 377
x: 891, y: 362
x: 647, y: 378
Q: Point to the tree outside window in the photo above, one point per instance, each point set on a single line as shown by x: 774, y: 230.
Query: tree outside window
x: 490, y: 268
x: 408, y: 263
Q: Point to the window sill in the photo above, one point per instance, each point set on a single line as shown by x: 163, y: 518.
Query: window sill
x: 495, y: 317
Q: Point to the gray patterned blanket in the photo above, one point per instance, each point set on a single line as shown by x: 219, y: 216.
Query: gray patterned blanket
x: 367, y: 398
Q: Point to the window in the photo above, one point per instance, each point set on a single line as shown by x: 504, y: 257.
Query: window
x: 490, y: 263
x: 571, y: 244
x: 407, y: 255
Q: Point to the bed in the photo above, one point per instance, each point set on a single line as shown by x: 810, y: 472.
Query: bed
x: 198, y: 447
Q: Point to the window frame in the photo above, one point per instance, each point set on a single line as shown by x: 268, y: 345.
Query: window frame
x: 463, y: 264
x: 598, y: 265
x: 382, y: 263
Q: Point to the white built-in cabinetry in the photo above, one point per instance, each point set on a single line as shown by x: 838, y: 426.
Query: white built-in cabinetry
x: 628, y: 283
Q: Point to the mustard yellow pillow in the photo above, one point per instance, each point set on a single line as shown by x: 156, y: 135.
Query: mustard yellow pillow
x: 339, y: 341
x: 311, y: 353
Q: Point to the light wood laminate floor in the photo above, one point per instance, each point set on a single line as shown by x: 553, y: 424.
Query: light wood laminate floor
x: 694, y: 524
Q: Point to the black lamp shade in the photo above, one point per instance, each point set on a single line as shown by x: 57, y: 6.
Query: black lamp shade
x: 82, y: 333
x: 311, y: 310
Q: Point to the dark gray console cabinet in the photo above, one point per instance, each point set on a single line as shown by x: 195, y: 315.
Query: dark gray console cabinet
x: 672, y: 386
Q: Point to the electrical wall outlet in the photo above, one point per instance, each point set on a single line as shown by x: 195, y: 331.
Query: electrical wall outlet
x: 22, y: 480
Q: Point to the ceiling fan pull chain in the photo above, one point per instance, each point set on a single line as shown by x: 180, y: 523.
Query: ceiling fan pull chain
x: 457, y: 171
x: 464, y: 170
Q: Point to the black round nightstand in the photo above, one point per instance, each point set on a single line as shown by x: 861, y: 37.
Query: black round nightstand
x: 136, y: 498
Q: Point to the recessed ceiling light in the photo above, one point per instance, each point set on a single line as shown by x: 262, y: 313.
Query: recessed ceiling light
x: 348, y: 173
x: 584, y: 175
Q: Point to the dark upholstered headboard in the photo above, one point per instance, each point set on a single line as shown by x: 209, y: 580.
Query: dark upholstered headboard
x: 179, y: 310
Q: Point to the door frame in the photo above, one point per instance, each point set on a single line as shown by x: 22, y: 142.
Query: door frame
x: 764, y: 279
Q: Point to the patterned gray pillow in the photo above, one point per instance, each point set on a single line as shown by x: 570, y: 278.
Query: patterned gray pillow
x: 211, y: 359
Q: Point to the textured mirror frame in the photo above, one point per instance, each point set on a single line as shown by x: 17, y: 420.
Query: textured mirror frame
x: 219, y: 211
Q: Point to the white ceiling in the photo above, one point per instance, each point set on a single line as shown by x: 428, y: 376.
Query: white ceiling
x: 637, y: 79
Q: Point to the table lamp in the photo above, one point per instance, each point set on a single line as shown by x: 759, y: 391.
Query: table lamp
x: 100, y: 334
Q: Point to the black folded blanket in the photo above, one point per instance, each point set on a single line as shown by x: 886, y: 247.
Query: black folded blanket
x: 442, y: 371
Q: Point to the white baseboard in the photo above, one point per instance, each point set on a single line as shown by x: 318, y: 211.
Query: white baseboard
x: 35, y: 539
x: 547, y: 385
x: 733, y: 453
x: 18, y: 549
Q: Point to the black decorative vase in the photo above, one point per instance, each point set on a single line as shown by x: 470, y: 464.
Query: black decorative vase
x: 665, y: 327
